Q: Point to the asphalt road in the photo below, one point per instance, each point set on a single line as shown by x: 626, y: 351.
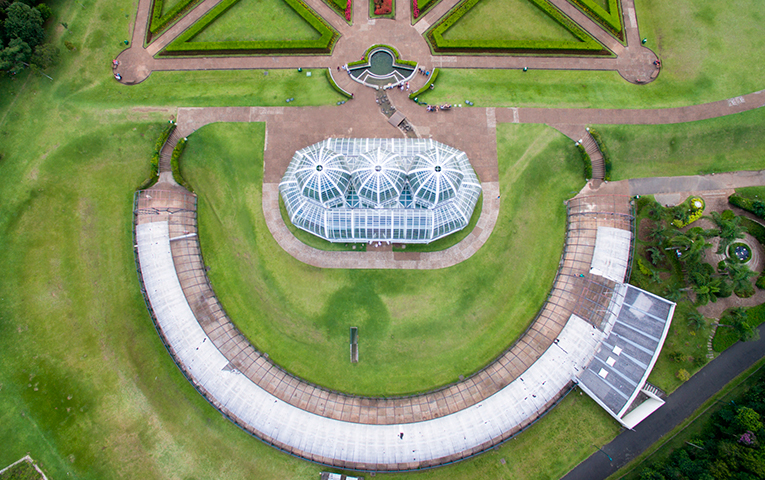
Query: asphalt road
x: 679, y: 406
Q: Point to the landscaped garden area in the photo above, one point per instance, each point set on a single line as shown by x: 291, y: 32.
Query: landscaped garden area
x: 86, y: 385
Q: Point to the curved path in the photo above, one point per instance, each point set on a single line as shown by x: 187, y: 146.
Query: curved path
x: 381, y: 434
x: 633, y: 61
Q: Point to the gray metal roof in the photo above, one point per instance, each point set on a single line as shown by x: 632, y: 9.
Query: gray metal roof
x: 636, y: 329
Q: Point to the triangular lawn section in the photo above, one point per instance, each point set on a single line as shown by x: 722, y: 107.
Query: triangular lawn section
x: 256, y: 20
x: 320, y: 42
x: 578, y: 41
x: 168, y: 5
x: 510, y: 20
x: 607, y: 13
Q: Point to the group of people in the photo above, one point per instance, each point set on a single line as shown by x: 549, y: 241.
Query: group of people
x: 423, y: 71
x: 435, y: 108
x: 115, y: 64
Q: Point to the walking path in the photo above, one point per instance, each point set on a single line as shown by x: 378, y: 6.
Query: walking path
x: 634, y: 62
x: 679, y: 406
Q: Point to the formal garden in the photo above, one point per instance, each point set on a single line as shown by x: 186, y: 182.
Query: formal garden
x: 86, y: 385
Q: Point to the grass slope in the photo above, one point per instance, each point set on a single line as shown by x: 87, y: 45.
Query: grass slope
x: 418, y: 329
x: 254, y: 20
x: 718, y: 145
x: 510, y: 20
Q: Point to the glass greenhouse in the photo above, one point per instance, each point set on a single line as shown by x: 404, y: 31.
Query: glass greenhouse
x: 366, y: 189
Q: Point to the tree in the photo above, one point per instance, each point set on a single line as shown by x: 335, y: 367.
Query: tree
x: 24, y: 22
x: 693, y: 244
x: 747, y: 419
x: 15, y: 55
x: 696, y: 320
x: 739, y: 275
x: 729, y: 230
x: 736, y: 319
x: 46, y: 55
x: 656, y: 255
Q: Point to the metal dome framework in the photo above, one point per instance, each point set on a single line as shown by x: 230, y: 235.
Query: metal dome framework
x: 367, y: 189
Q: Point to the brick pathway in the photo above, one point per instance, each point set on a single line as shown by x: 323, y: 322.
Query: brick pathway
x: 633, y: 61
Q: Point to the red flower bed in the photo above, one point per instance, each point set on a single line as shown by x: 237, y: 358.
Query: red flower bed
x: 415, y: 9
x: 383, y: 7
x: 348, y: 10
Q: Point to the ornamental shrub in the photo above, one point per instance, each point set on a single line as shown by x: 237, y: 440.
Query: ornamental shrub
x: 426, y: 87
x: 176, y: 166
x: 604, y: 151
x: 586, y: 161
x: 611, y: 20
x: 585, y: 44
x: 755, y: 206
x: 163, y: 136
x: 694, y: 212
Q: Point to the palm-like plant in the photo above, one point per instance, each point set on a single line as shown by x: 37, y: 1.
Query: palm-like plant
x: 696, y: 320
x: 656, y: 255
x: 729, y: 229
x: 692, y: 243
x: 707, y: 292
x: 659, y: 233
x: 739, y: 275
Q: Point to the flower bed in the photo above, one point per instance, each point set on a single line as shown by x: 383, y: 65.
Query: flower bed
x: 695, y: 206
x: 383, y: 7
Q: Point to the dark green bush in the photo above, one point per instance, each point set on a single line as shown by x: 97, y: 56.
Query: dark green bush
x: 159, y: 21
x: 757, y: 207
x: 176, y: 166
x: 586, y: 44
x: 754, y: 229
x: 586, y: 161
x: 183, y: 46
x: 611, y: 20
x: 168, y: 130
x: 337, y: 87
x: 760, y: 283
x: 426, y: 87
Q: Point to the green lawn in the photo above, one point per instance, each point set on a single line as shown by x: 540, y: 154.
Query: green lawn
x: 510, y: 20
x: 418, y: 329
x: 710, y: 51
x: 755, y: 193
x: 258, y: 20
x: 722, y: 144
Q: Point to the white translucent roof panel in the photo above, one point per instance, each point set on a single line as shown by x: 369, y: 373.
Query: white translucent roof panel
x: 383, y: 174
x: 612, y: 253
x: 314, y: 435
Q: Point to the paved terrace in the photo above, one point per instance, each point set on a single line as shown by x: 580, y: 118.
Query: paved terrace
x: 633, y: 61
x: 360, y: 432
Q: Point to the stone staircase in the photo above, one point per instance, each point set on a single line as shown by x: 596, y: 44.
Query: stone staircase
x: 167, y: 152
x: 598, y: 165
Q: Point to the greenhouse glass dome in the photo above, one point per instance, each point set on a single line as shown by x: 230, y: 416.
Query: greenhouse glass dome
x: 363, y: 189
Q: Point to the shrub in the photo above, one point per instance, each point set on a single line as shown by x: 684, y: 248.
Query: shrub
x: 760, y: 283
x: 69, y: 45
x: 754, y: 229
x: 643, y: 267
x: 426, y: 87
x: 586, y: 44
x: 159, y: 21
x: 610, y: 20
x: 175, y: 164
x: 750, y: 205
x: 683, y: 375
x: 334, y: 84
x: 693, y: 210
x: 163, y: 136
x: 586, y: 161
x: 324, y: 44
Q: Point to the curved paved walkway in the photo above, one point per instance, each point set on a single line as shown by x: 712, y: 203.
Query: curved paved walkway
x: 633, y: 61
x: 478, y: 412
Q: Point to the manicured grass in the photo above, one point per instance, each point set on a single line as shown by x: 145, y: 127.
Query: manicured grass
x: 510, y: 20
x: 418, y: 329
x: 258, y: 20
x: 710, y: 51
x: 755, y: 193
x: 722, y: 144
x: 725, y: 336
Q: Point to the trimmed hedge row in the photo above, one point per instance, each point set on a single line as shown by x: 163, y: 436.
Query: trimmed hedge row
x: 586, y: 161
x: 183, y: 45
x: 611, y: 20
x: 176, y: 166
x: 757, y: 207
x: 339, y: 7
x: 159, y: 21
x: 334, y: 84
x: 426, y: 87
x: 587, y: 43
x: 603, y: 151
